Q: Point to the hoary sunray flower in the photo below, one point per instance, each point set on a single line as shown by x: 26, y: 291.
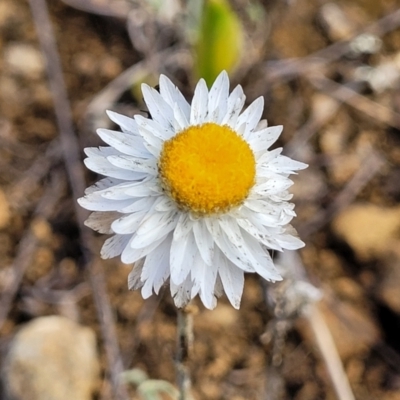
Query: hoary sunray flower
x: 193, y: 194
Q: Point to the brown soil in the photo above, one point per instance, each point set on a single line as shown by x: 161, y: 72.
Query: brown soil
x: 351, y: 226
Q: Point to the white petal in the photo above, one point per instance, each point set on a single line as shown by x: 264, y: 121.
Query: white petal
x: 232, y: 279
x: 147, y: 126
x: 274, y: 218
x: 289, y: 240
x: 165, y: 205
x: 141, y: 165
x: 198, y: 111
x: 264, y: 265
x: 104, y: 183
x: 218, y: 98
x: 116, y: 192
x: 130, y: 255
x: 235, y: 236
x: 129, y: 223
x: 262, y: 140
x: 219, y: 288
x: 163, y: 271
x: 278, y: 218
x: 114, y: 246
x: 172, y: 96
x: 183, y: 227
x: 134, y: 281
x: 182, y: 256
x: 204, y: 277
x: 251, y: 116
x: 180, y: 121
x: 259, y: 233
x: 155, y: 265
x: 159, y: 109
x: 273, y: 186
x: 145, y: 188
x: 101, y: 151
x: 181, y: 293
x: 260, y: 206
x: 101, y: 221
x: 153, y: 150
x: 94, y: 202
x: 268, y: 156
x: 165, y: 225
x: 129, y: 189
x: 281, y: 196
x: 127, y: 124
x: 103, y: 167
x: 231, y: 251
x: 204, y: 241
x: 139, y: 204
x: 236, y: 102
x: 127, y: 144
x: 150, y: 139
x: 263, y: 124
x: 156, y: 220
x: 284, y: 164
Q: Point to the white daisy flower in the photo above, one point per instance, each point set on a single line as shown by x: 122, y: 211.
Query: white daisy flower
x: 194, y: 194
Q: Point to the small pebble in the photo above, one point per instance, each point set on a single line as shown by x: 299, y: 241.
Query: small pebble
x: 51, y: 358
x: 368, y: 229
x: 25, y: 60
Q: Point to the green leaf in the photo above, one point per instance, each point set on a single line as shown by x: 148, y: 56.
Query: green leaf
x: 219, y: 41
x: 134, y: 376
x: 152, y: 389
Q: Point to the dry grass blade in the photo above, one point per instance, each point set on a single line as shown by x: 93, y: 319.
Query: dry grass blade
x: 329, y: 353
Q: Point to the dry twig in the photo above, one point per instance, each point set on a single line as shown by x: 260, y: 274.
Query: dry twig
x: 70, y: 151
x: 295, y: 297
x: 185, y: 344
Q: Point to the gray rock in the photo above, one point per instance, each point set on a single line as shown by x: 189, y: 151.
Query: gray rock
x: 24, y: 59
x: 51, y: 358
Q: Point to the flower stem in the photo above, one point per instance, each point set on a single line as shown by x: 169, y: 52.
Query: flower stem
x: 185, y: 342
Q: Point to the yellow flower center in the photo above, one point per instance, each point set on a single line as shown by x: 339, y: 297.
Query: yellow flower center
x: 207, y: 168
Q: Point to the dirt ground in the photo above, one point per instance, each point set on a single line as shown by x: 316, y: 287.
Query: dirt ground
x: 339, y: 101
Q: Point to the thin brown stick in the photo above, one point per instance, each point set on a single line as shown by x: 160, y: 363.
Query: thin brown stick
x: 70, y: 151
x: 185, y: 343
x: 295, y: 297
